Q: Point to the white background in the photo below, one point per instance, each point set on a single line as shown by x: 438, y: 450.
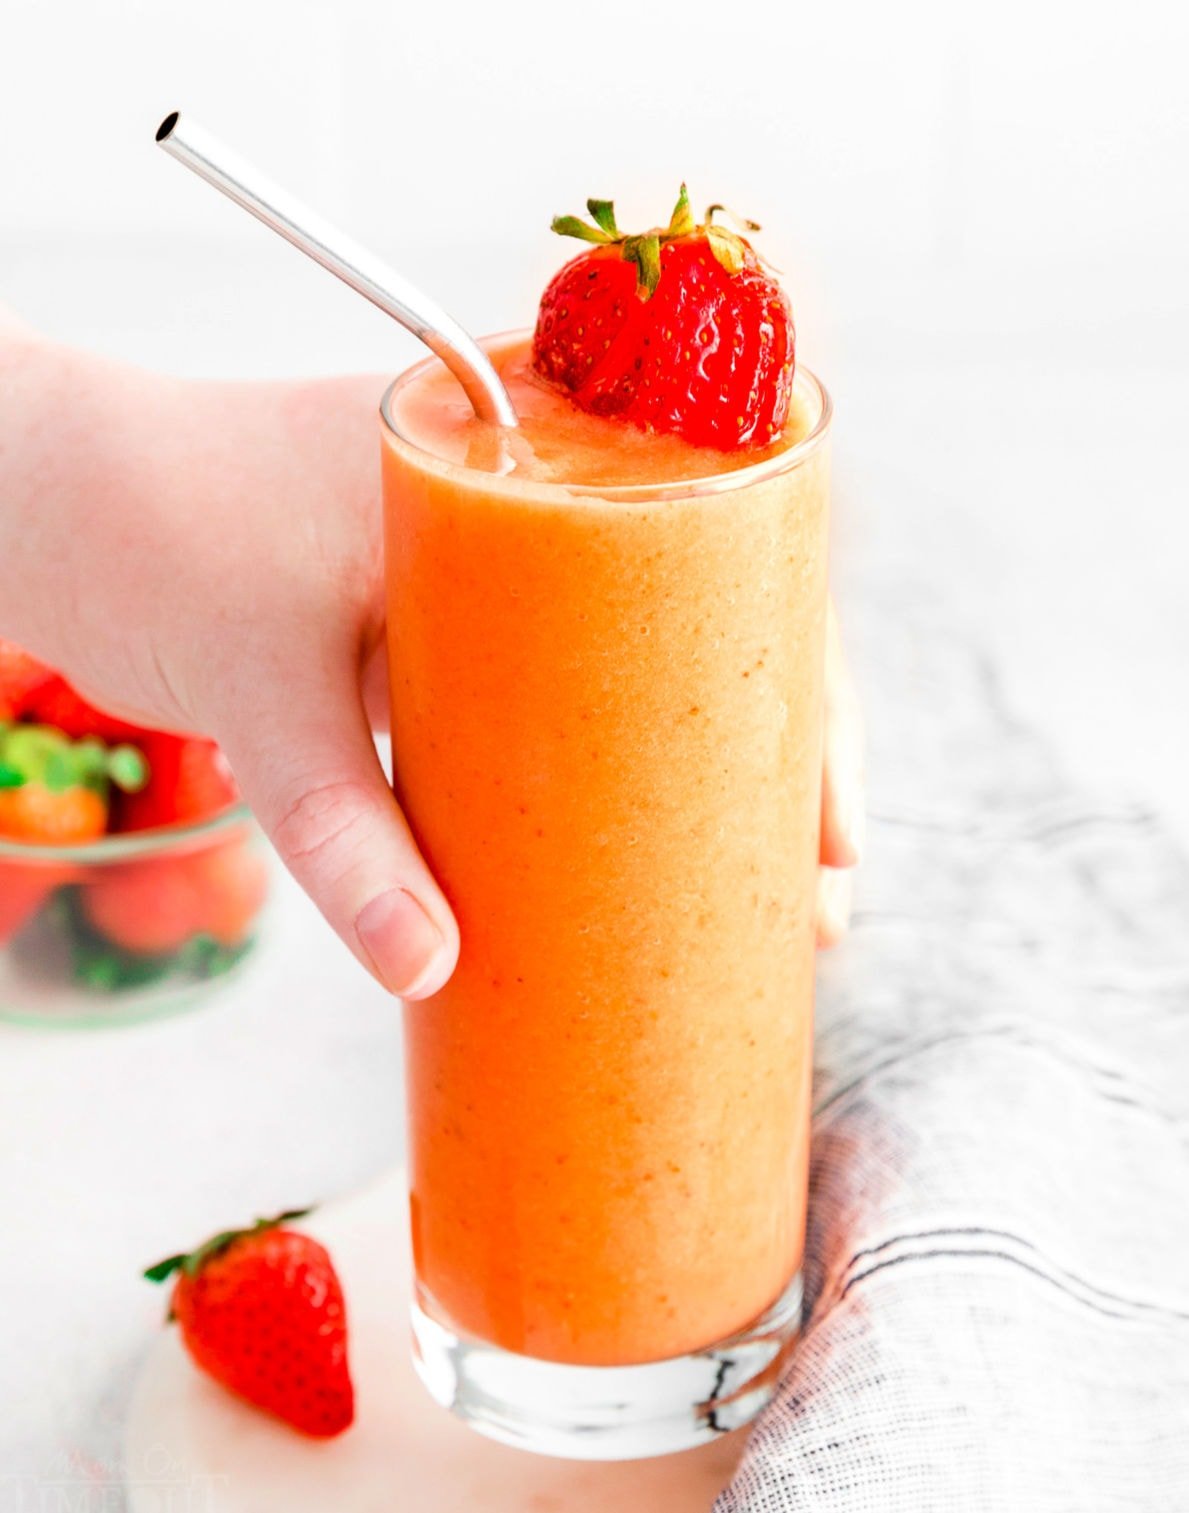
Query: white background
x: 983, y: 217
x: 982, y: 214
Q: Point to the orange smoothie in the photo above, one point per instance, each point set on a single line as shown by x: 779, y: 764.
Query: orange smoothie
x: 606, y: 656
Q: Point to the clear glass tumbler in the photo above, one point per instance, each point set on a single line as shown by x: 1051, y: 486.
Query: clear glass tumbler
x: 607, y: 733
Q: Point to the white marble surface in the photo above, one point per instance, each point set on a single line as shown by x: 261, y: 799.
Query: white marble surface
x: 1000, y: 446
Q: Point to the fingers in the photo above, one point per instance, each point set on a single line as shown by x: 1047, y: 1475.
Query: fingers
x: 843, y: 800
x: 835, y: 889
x: 374, y: 682
x: 309, y: 770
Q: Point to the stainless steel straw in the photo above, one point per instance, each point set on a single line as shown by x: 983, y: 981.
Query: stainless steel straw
x: 336, y: 251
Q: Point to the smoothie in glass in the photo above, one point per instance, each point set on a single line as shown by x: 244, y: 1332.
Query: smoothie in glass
x: 606, y: 657
x: 606, y: 636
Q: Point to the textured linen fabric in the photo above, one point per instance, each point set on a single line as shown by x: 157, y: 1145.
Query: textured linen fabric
x: 997, y: 1274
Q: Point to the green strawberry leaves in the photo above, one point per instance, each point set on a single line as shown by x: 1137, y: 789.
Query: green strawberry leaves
x: 681, y: 222
x: 604, y: 230
x: 740, y: 220
x: 191, y: 1261
x: 644, y: 250
x: 42, y: 754
x: 571, y: 225
x: 603, y: 212
x: 728, y: 248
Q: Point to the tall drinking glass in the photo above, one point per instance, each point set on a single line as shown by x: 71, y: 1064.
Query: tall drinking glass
x: 607, y: 737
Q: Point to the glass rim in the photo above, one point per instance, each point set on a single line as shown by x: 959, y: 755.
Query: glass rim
x: 685, y: 488
x: 131, y: 846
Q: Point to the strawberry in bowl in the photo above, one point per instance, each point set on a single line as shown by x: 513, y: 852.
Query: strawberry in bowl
x: 131, y: 873
x: 189, y: 780
x: 54, y: 794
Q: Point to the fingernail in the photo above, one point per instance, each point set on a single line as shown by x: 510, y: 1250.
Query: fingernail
x: 405, y: 947
x: 834, y: 893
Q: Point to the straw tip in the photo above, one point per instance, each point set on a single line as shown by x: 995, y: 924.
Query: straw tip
x: 166, y: 127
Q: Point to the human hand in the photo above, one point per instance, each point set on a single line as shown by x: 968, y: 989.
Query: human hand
x: 206, y: 557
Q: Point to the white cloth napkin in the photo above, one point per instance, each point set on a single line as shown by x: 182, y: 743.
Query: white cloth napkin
x: 998, y: 1263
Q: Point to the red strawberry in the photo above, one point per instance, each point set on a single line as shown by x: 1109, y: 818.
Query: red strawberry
x: 155, y: 906
x: 56, y: 703
x: 32, y: 813
x: 189, y: 779
x: 681, y: 330
x: 23, y: 888
x: 20, y: 677
x: 261, y: 1310
x: 35, y: 813
x: 583, y: 311
x: 53, y: 792
x: 230, y: 882
x: 148, y: 907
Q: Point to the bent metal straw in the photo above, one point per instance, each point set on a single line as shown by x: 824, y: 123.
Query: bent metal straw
x: 341, y: 255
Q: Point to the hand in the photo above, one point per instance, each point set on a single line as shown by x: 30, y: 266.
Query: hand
x: 205, y: 556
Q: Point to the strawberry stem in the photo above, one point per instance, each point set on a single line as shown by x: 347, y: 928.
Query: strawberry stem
x: 645, y: 252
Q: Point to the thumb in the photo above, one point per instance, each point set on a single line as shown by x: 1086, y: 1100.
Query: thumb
x: 310, y: 772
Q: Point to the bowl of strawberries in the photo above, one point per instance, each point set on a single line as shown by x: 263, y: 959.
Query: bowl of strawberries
x: 133, y: 878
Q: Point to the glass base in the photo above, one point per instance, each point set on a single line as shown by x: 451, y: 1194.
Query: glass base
x: 608, y: 1412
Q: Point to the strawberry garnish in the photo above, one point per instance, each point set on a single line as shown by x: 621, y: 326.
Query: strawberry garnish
x: 261, y: 1311
x: 681, y: 329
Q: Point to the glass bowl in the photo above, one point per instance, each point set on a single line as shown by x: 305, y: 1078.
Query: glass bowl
x: 131, y: 926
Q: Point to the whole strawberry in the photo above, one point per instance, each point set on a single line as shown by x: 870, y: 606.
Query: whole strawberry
x: 261, y: 1311
x: 681, y: 329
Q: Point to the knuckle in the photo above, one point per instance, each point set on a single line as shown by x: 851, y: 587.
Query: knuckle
x: 324, y: 821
